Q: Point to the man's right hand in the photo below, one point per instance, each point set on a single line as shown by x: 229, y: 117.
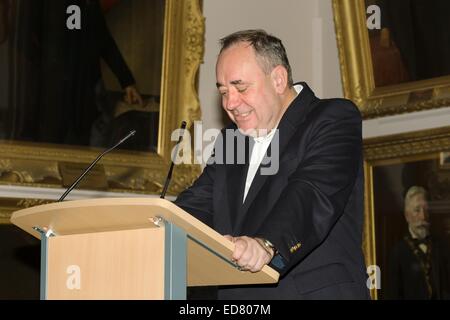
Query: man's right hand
x: 132, y: 96
x: 249, y: 253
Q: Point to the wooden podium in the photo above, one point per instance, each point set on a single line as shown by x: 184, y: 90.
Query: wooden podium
x: 129, y: 248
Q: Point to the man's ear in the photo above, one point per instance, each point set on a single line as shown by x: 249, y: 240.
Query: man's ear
x: 279, y: 79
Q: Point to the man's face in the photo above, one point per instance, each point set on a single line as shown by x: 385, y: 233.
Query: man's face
x: 248, y: 94
x: 416, y: 214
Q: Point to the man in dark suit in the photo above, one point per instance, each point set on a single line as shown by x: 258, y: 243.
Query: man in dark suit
x: 419, y: 264
x: 295, y: 199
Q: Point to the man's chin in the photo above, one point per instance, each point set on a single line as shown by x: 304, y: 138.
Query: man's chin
x: 251, y: 132
x: 421, y: 231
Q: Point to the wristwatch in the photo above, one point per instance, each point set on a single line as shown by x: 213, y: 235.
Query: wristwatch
x: 269, y: 245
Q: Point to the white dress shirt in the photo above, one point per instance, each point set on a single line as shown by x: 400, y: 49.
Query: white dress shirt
x: 259, y: 151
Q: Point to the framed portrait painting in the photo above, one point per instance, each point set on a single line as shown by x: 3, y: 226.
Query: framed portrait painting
x: 394, y: 55
x: 398, y: 167
x: 77, y: 76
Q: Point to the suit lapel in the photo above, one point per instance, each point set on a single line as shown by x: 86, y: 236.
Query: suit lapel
x: 281, y: 137
x: 289, y: 123
x: 235, y: 188
x: 236, y: 174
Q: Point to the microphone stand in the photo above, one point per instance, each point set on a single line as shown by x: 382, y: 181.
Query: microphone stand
x: 73, y: 185
x: 169, y: 175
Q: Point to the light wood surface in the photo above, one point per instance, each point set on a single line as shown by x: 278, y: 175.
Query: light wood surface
x: 117, y: 265
x: 114, y: 214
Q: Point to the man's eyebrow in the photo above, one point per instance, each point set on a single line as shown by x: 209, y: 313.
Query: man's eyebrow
x: 234, y: 83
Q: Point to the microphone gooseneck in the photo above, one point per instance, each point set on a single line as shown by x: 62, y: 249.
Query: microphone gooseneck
x: 73, y: 185
x: 169, y: 174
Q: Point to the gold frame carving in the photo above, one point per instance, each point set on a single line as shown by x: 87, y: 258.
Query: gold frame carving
x: 357, y: 72
x: 416, y: 146
x: 36, y: 165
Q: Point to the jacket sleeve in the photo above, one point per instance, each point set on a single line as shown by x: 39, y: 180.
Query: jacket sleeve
x: 318, y: 190
x: 198, y: 199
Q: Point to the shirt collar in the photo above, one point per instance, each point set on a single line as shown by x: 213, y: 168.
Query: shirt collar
x: 268, y: 137
x: 298, y: 88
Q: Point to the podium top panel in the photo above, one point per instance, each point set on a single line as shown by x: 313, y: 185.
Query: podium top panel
x: 110, y: 214
x: 98, y: 215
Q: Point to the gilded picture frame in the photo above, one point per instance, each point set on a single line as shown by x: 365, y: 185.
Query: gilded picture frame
x: 445, y: 160
x: 39, y: 165
x: 385, y: 188
x: 357, y: 71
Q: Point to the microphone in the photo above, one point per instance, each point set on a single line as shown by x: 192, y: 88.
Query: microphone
x: 73, y: 185
x: 169, y: 175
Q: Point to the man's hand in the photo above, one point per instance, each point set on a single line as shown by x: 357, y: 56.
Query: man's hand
x: 250, y: 253
x: 132, y: 96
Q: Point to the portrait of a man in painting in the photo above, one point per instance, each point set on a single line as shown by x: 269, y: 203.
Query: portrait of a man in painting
x: 412, y: 219
x: 84, y: 77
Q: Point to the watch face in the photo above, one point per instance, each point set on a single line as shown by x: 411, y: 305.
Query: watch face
x: 268, y: 243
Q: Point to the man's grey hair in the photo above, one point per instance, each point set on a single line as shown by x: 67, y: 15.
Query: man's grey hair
x: 269, y: 50
x: 413, y: 191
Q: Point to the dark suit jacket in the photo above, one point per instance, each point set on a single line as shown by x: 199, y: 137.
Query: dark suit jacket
x: 311, y: 209
x: 406, y: 277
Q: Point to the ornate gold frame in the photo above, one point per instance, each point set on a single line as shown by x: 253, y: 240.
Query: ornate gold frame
x: 36, y: 165
x: 357, y: 72
x: 393, y: 149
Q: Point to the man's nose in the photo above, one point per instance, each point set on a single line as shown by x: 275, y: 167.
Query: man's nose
x: 423, y: 214
x: 233, y: 100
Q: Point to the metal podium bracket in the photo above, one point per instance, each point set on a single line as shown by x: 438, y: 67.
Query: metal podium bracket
x: 175, y: 264
x: 45, y: 234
